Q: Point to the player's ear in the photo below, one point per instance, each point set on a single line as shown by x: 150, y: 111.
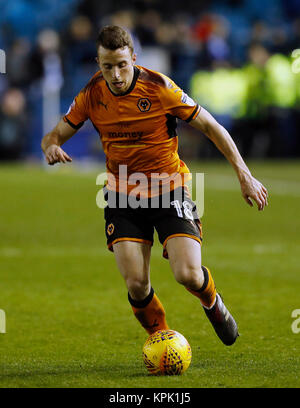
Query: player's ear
x: 133, y: 58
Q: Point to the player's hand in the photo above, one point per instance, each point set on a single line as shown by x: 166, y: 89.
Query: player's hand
x: 252, y: 189
x: 55, y: 154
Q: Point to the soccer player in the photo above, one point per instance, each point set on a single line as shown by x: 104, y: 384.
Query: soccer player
x: 134, y: 110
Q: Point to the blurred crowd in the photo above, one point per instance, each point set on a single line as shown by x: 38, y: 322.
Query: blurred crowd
x: 233, y: 56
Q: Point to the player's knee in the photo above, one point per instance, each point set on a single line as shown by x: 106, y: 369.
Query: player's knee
x: 138, y: 288
x: 190, y: 276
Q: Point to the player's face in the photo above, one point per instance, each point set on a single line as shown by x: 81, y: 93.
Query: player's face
x: 117, y: 67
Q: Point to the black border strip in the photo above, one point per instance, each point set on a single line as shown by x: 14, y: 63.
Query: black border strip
x: 206, y: 279
x: 141, y: 303
x: 194, y: 111
x: 72, y: 124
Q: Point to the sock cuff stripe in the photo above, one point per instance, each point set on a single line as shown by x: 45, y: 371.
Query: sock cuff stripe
x: 141, y: 303
x: 206, y: 279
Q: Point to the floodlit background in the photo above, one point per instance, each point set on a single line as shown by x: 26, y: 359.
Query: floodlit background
x: 68, y: 321
x: 233, y: 56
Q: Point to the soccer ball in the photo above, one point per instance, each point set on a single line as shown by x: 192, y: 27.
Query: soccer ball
x: 167, y: 352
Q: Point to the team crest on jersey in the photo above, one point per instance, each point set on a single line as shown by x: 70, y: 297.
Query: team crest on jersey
x: 144, y: 104
x: 110, y: 229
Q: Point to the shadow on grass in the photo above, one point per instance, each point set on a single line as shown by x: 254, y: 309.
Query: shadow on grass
x: 105, y: 372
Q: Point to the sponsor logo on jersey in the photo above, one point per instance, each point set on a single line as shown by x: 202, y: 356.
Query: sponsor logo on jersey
x: 127, y: 135
x: 123, y: 124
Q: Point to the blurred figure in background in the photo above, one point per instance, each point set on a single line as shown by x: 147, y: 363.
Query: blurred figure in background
x: 13, y: 136
x: 47, y: 62
x: 18, y: 63
x: 46, y: 57
x: 253, y: 120
x: 79, y: 53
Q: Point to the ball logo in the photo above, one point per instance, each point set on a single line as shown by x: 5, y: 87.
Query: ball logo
x: 144, y: 104
x: 110, y: 229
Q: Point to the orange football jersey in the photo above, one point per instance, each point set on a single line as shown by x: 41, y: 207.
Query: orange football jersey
x: 138, y: 128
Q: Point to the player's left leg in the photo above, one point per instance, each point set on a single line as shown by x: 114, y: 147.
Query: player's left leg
x: 184, y: 254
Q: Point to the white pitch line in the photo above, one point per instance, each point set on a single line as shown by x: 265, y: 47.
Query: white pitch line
x: 262, y: 249
x: 20, y: 252
x: 11, y: 252
x: 156, y: 251
x: 274, y: 186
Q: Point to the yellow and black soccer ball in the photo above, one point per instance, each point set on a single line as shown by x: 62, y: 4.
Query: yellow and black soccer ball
x: 167, y: 352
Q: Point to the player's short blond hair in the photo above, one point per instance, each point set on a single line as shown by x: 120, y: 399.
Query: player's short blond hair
x: 113, y: 37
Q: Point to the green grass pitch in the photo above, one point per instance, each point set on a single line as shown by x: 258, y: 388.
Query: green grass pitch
x: 68, y: 321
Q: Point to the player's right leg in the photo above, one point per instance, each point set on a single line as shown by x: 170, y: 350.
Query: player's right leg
x: 130, y: 237
x: 133, y: 260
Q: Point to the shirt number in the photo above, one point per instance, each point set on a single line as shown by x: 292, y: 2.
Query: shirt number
x: 187, y: 209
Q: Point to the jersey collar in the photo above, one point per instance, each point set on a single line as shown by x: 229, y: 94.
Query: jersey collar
x: 136, y: 74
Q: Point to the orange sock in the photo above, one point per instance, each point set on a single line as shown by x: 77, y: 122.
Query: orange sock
x: 207, y: 293
x: 149, y: 312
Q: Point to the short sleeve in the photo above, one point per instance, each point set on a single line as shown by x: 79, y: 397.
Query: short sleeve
x: 77, y: 112
x: 177, y: 103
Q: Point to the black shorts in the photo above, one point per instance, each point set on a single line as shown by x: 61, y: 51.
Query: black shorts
x: 179, y: 219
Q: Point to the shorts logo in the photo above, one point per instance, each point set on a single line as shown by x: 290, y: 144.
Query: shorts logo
x: 110, y: 229
x: 144, y: 104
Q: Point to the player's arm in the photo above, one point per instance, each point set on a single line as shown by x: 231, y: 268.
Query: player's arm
x: 250, y: 187
x: 52, y: 142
